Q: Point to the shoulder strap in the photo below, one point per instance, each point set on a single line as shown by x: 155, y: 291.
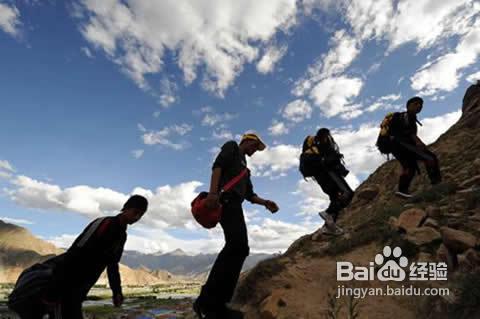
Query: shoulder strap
x: 234, y: 181
x: 90, y: 231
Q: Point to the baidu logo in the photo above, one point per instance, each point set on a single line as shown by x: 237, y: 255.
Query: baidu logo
x: 390, y: 265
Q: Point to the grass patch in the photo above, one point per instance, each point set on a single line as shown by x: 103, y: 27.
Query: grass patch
x: 374, y: 229
x: 435, y: 194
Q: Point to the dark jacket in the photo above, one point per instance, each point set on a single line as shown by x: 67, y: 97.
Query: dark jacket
x: 404, y: 127
x: 98, y: 247
x: 232, y: 162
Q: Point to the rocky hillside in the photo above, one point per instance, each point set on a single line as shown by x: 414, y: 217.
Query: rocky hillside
x: 440, y: 224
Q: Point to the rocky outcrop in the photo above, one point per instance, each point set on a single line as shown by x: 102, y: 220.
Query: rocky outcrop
x: 440, y: 224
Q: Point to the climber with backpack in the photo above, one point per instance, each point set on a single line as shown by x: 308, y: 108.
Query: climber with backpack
x: 230, y: 164
x: 398, y: 136
x: 58, y: 286
x: 322, y: 161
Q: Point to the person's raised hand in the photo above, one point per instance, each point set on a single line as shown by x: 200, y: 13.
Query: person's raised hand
x: 271, y: 206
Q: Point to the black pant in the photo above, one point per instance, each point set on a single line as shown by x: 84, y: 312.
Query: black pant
x: 337, y: 189
x: 408, y: 155
x: 223, y: 278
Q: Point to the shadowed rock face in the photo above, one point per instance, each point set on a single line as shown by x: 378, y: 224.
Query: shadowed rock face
x: 299, y: 283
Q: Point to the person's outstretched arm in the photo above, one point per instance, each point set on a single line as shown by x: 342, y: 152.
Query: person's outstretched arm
x: 255, y: 199
x: 115, y: 281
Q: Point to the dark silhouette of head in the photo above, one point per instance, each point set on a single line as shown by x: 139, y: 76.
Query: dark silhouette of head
x: 133, y: 209
x: 414, y: 105
x: 251, y: 143
x: 323, y: 135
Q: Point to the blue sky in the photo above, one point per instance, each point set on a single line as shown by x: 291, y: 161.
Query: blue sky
x: 104, y: 99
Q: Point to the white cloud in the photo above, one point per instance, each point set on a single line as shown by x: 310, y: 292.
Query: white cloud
x: 272, y: 236
x: 138, y: 153
x: 344, y: 49
x: 474, y: 77
x: 335, y: 95
x: 271, y: 57
x: 16, y: 221
x: 218, y: 36
x: 210, y: 118
x: 385, y: 103
x: 169, y: 206
x: 222, y: 135
x: 297, y: 111
x: 434, y: 127
x: 168, y: 91
x: 10, y: 19
x: 274, y: 161
x: 443, y: 74
x: 87, y: 52
x: 62, y: 241
x: 278, y: 128
x: 163, y: 136
x: 5, y: 165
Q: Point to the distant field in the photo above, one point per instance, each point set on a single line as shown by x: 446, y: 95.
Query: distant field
x: 161, y: 301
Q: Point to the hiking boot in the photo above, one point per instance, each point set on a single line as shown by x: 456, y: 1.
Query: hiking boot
x: 403, y: 194
x: 327, y: 218
x: 331, y: 231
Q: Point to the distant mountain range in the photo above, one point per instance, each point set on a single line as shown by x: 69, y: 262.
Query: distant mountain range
x: 20, y: 249
x: 180, y: 263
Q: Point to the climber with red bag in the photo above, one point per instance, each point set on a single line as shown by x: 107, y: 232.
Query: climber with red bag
x: 230, y: 185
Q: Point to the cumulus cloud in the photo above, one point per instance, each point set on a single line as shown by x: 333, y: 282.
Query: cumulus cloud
x: 274, y: 161
x: 10, y: 19
x: 335, y: 96
x: 163, y: 136
x: 385, y: 103
x: 168, y: 90
x: 278, y: 128
x: 169, y: 206
x: 444, y: 73
x: 344, y: 48
x: 271, y: 56
x: 297, y: 111
x: 474, y: 77
x: 210, y: 118
x: 216, y: 36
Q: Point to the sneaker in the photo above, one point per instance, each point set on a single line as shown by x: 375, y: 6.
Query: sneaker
x: 331, y: 231
x: 338, y: 230
x: 327, y: 218
x: 403, y: 195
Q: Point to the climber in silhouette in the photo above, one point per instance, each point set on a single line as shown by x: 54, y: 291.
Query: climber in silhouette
x: 322, y: 161
x: 59, y: 285
x: 408, y: 148
x: 223, y: 277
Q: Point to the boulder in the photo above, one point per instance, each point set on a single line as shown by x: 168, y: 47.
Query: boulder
x: 469, y: 260
x: 433, y: 211
x: 423, y: 236
x: 473, y: 181
x: 369, y: 193
x: 447, y: 256
x: 270, y: 305
x: 411, y: 218
x: 430, y: 222
x: 456, y: 240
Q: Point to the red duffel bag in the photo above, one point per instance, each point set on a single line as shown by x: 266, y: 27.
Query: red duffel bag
x: 208, y: 217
